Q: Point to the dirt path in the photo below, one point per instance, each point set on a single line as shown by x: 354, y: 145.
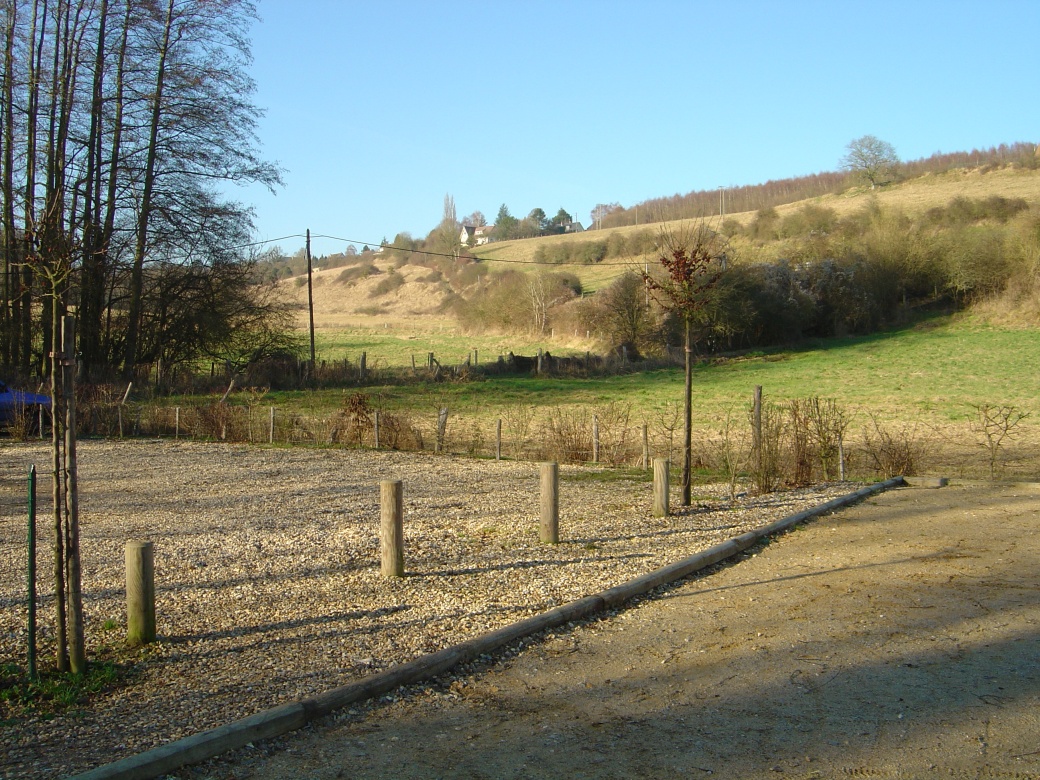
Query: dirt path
x: 898, y: 638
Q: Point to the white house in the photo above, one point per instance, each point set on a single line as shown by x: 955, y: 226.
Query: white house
x: 479, y: 234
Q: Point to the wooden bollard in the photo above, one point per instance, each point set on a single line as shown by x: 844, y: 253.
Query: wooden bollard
x: 391, y: 528
x: 549, y: 529
x: 660, y: 508
x: 140, y: 593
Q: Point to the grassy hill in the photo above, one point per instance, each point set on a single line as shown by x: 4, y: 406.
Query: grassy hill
x: 407, y: 304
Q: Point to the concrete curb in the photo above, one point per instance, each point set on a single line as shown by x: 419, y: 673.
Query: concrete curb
x: 289, y: 717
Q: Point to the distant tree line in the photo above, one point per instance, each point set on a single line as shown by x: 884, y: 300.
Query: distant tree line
x: 121, y: 120
x: 701, y: 203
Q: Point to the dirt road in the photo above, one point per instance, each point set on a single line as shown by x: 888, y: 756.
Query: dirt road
x: 898, y: 638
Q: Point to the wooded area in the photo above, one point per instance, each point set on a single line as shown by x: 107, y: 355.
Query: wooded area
x: 122, y: 121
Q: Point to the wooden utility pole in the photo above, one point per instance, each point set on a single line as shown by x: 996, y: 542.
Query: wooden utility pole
x: 310, y: 297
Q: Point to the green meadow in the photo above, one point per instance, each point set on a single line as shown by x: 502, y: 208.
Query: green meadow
x: 935, y: 371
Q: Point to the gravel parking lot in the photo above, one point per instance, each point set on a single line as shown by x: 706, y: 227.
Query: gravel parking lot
x: 267, y: 569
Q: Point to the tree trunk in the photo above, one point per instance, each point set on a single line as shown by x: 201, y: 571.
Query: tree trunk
x: 77, y: 651
x: 92, y: 271
x: 7, y: 193
x: 145, y: 209
x: 57, y: 481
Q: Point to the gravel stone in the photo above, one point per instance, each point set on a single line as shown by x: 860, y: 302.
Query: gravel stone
x: 268, y: 586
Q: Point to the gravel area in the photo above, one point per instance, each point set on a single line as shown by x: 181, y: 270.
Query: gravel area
x: 267, y: 573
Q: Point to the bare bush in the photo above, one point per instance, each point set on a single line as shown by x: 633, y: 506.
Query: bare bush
x: 354, y: 422
x: 767, y: 465
x: 828, y: 423
x: 517, y: 420
x: 893, y: 451
x: 995, y: 425
x: 397, y: 433
x: 567, y: 435
x: 802, y: 442
x: 614, y: 420
x: 732, y: 450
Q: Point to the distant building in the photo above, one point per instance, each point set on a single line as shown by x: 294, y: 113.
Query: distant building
x: 477, y: 234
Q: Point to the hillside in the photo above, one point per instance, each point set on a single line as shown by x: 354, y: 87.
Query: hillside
x: 414, y: 296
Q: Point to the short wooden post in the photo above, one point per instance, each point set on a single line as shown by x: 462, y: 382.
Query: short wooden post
x: 429, y: 361
x: 646, y: 448
x: 498, y: 439
x: 119, y: 415
x: 391, y: 528
x: 660, y: 508
x: 376, y: 431
x: 140, y: 593
x: 595, y: 439
x: 364, y: 364
x: 177, y: 422
x: 549, y: 529
x: 270, y: 427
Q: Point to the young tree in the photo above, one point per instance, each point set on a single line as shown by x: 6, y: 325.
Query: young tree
x: 505, y: 224
x: 691, y: 258
x: 625, y: 316
x: 870, y: 158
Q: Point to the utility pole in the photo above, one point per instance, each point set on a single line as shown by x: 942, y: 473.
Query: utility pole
x: 310, y: 297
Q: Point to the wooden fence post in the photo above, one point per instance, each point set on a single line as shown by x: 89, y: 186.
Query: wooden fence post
x: 595, y: 439
x: 364, y: 364
x: 442, y: 428
x: 498, y: 439
x: 376, y: 431
x: 140, y: 593
x: 270, y: 428
x: 549, y: 529
x: 391, y: 528
x: 660, y: 508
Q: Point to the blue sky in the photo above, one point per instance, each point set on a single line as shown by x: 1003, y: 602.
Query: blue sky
x: 377, y: 109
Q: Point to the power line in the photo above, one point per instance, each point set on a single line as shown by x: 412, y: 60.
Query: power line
x: 437, y: 254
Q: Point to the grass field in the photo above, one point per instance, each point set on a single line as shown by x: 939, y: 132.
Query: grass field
x: 938, y: 369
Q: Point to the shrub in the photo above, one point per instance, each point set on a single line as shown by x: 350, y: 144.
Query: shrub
x: 354, y: 273
x: 387, y: 284
x: 893, y: 451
